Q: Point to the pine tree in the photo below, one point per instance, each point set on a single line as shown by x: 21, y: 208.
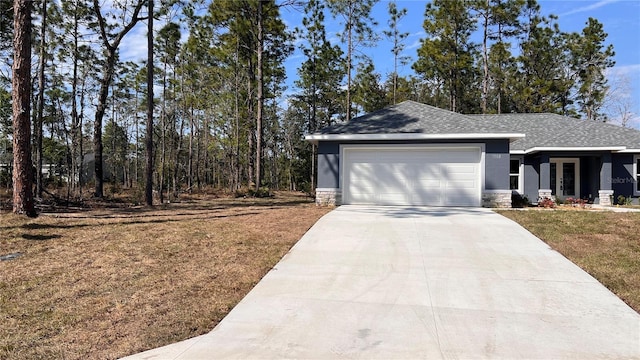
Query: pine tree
x: 542, y: 83
x: 397, y: 37
x: 590, y: 59
x: 148, y: 142
x: 110, y: 42
x: 319, y: 78
x: 253, y: 44
x: 320, y: 74
x: 498, y: 21
x: 21, y: 93
x: 167, y: 49
x: 367, y: 90
x: 76, y: 15
x: 446, y: 57
x: 6, y: 24
x: 358, y: 32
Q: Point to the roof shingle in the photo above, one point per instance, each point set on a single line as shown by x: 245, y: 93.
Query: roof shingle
x: 541, y: 130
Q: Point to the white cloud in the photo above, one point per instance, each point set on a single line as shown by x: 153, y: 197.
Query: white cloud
x: 625, y: 70
x: 590, y: 7
x: 134, y: 44
x: 416, y: 44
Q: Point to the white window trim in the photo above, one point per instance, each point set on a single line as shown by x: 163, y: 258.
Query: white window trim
x: 520, y: 159
x: 636, y: 175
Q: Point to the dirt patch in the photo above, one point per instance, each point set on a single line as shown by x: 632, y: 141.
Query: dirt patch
x: 605, y: 244
x: 109, y: 282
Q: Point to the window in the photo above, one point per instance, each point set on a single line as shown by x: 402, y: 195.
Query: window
x: 515, y: 175
x: 636, y: 173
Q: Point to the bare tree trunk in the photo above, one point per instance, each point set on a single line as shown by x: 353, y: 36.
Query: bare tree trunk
x: 41, y: 65
x: 178, y: 137
x: 485, y: 59
x: 21, y: 93
x: 190, y: 161
x: 148, y: 192
x: 260, y: 94
x: 111, y: 49
x: 251, y: 135
x: 236, y: 157
x: 349, y: 63
x: 81, y: 141
x: 136, y: 165
x: 198, y: 158
x: 76, y: 131
x: 163, y: 121
x: 177, y: 159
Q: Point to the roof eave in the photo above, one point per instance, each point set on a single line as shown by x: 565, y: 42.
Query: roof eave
x: 537, y: 149
x: 315, y: 138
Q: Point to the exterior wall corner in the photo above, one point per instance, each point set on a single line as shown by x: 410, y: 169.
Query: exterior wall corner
x: 328, y: 197
x: 496, y: 198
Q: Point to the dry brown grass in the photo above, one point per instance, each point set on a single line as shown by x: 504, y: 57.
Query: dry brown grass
x: 605, y: 244
x: 106, y: 283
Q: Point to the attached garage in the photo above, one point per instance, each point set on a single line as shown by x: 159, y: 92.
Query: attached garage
x: 412, y: 154
x: 436, y: 175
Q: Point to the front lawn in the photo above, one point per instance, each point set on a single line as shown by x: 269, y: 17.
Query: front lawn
x: 605, y: 244
x: 109, y: 282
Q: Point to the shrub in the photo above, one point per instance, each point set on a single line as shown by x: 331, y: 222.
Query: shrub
x: 519, y: 201
x: 547, y: 203
x: 622, y: 200
x: 263, y: 192
x: 576, y: 202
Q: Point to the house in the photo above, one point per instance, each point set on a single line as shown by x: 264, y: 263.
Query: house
x: 416, y: 154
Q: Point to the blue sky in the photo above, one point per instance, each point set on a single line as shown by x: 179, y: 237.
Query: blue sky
x: 621, y: 20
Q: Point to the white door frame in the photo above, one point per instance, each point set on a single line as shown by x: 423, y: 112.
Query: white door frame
x: 560, y: 175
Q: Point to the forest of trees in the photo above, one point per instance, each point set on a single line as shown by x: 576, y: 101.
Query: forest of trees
x: 221, y: 118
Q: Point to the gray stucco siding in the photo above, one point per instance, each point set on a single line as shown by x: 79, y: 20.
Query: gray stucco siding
x: 590, y: 167
x: 496, y: 165
x: 328, y: 165
x: 622, y: 181
x: 531, y: 177
x: 605, y: 172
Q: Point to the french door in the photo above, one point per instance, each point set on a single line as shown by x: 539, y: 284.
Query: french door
x: 565, y: 177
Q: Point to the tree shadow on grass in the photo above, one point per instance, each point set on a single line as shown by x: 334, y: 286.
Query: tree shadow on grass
x: 134, y: 220
x: 40, y: 237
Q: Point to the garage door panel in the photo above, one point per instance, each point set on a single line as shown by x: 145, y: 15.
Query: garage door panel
x: 392, y: 199
x: 426, y: 197
x: 412, y: 176
x: 461, y: 169
x: 427, y: 184
x: 457, y: 199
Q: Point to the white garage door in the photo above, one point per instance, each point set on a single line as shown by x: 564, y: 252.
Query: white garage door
x: 432, y: 176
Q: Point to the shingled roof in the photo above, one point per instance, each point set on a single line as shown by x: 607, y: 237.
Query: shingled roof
x: 557, y: 131
x: 528, y: 132
x: 412, y: 117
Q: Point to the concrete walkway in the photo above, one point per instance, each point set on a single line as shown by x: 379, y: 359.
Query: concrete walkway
x: 614, y: 208
x: 436, y: 283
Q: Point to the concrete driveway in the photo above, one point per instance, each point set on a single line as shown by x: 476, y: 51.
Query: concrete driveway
x: 436, y: 283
